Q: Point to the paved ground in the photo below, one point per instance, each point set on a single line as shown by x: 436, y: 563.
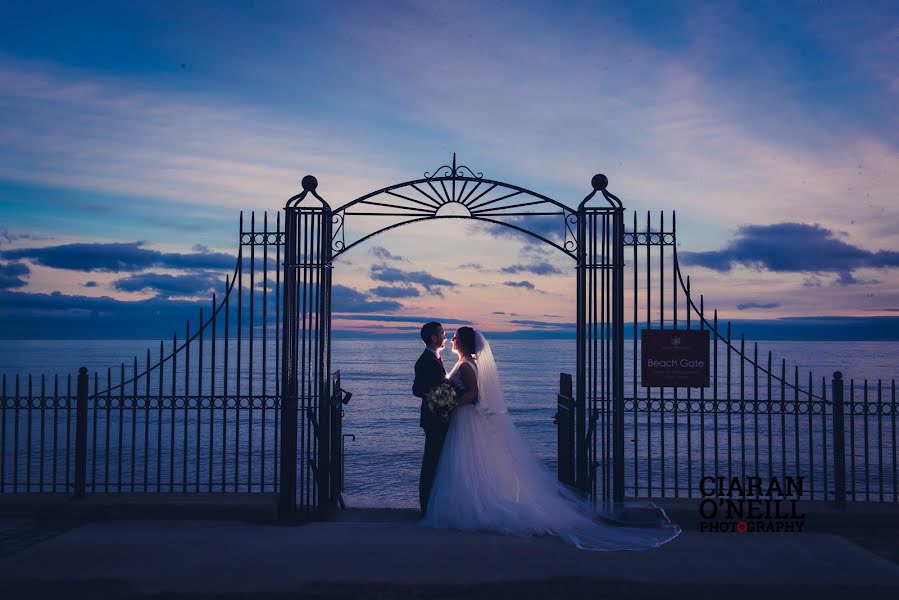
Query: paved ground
x: 384, y: 554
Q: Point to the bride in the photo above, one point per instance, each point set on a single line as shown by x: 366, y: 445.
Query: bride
x: 488, y: 479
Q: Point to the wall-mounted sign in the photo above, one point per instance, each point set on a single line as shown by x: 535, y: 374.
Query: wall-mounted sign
x: 674, y: 358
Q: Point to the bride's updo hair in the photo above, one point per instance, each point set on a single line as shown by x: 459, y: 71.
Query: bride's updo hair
x: 466, y: 340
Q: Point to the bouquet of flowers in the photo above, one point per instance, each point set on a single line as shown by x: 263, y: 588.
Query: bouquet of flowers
x: 442, y: 400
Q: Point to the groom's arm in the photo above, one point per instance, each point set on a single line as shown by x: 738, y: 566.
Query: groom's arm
x: 428, y: 375
x: 420, y: 385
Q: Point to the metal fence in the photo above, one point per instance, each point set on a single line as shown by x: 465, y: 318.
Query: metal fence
x: 758, y: 418
x: 201, y: 413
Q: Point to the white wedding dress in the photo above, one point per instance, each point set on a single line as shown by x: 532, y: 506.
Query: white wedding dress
x: 488, y: 480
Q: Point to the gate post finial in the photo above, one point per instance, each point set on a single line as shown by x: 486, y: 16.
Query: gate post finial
x: 309, y: 183
x: 599, y: 182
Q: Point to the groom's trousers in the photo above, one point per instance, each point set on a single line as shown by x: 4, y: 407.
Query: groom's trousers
x: 434, y: 437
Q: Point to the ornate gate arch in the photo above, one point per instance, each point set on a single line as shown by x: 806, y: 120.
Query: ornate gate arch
x: 316, y: 234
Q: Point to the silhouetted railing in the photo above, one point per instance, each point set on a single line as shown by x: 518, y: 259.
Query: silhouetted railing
x: 759, y: 417
x: 199, y: 416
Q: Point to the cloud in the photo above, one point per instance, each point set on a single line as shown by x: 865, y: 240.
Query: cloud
x: 472, y: 265
x: 117, y: 257
x: 541, y: 268
x: 385, y: 291
x: 847, y: 278
x: 533, y: 250
x: 793, y: 247
x: 549, y: 227
x: 384, y: 254
x: 377, y: 331
x: 349, y: 300
x: 403, y: 319
x: 61, y: 316
x: 704, y: 124
x: 189, y: 284
x: 8, y: 237
x: 812, y: 282
x: 520, y: 284
x: 11, y: 275
x: 683, y: 116
x: 394, y: 275
x: 542, y: 324
x: 187, y: 148
x: 498, y: 312
x: 755, y: 305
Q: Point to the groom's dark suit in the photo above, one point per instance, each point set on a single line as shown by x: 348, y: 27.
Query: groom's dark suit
x: 429, y: 373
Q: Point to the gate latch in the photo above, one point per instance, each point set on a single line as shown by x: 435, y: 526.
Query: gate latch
x: 340, y: 395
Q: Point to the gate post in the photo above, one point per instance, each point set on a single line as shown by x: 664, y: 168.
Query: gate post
x: 564, y: 420
x: 327, y: 501
x: 618, y: 358
x: 600, y: 345
x: 839, y: 441
x: 287, y: 492
x: 580, y: 404
x: 306, y: 356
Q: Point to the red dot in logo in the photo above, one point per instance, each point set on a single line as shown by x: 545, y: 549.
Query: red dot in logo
x: 742, y: 527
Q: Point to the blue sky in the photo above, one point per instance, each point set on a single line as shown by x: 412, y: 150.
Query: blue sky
x: 145, y: 128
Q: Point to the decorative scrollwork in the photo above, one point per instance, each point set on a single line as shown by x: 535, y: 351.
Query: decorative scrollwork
x: 459, y: 172
x: 447, y: 173
x: 570, y: 232
x: 453, y: 171
x: 338, y: 235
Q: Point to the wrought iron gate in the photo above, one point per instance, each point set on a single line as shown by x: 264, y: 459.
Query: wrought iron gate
x: 216, y: 415
x: 316, y: 234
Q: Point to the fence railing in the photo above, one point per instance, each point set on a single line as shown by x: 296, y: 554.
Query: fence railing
x: 842, y: 444
x: 80, y: 442
x: 202, y: 415
x: 758, y: 417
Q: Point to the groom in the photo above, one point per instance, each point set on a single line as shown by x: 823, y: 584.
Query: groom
x: 429, y: 373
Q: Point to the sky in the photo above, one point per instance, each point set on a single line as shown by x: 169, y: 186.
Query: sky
x: 132, y: 134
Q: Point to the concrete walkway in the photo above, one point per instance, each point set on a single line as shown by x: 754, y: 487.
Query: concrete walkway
x: 120, y: 557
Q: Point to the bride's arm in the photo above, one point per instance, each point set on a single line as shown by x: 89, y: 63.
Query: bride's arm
x: 471, y: 384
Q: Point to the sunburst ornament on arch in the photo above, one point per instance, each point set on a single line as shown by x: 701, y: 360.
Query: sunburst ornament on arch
x: 454, y: 191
